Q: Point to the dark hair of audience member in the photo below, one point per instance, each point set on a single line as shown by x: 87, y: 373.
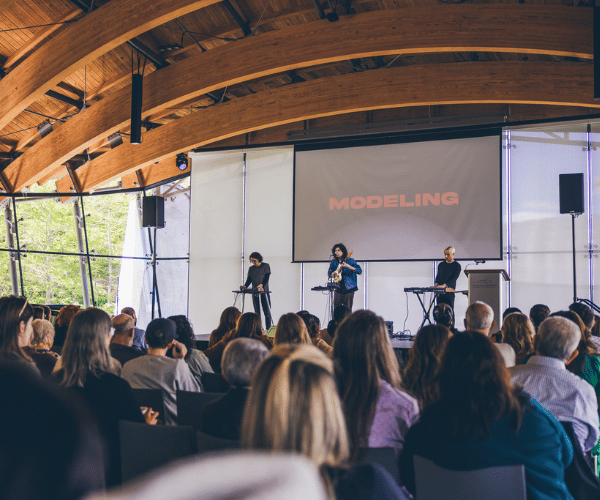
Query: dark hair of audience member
x: 15, y: 315
x: 363, y: 356
x: 339, y: 314
x: 293, y: 406
x: 517, y: 331
x: 249, y: 326
x: 48, y: 448
x: 184, y: 331
x: 475, y: 387
x: 86, y: 349
x: 537, y: 314
x: 228, y: 321
x: 312, y: 323
x: 443, y: 314
x: 420, y: 374
x: 586, y: 347
x: 510, y: 310
x: 584, y: 312
x: 291, y: 329
x: 595, y: 331
x: 38, y: 312
x: 47, y: 313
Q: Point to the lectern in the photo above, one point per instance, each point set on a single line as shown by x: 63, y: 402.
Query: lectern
x: 487, y: 285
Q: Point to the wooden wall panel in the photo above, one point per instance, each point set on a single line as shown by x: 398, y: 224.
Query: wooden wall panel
x: 521, y: 28
x: 474, y: 82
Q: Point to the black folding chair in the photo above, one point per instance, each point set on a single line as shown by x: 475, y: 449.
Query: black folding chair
x: 190, y: 405
x: 207, y: 443
x: 151, y: 398
x: 146, y: 447
x: 214, y: 382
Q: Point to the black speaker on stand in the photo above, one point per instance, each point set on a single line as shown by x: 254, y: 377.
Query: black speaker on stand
x: 571, y: 202
x: 153, y: 211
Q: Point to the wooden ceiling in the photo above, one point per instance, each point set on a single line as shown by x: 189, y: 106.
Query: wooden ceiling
x: 231, y: 73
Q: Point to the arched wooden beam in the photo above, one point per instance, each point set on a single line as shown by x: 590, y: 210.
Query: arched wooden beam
x: 97, y: 33
x: 504, y: 28
x: 473, y: 82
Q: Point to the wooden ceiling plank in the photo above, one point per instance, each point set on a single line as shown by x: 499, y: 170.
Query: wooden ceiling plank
x: 38, y: 39
x: 33, y: 134
x: 518, y: 28
x: 97, y: 33
x: 548, y: 84
x: 5, y: 4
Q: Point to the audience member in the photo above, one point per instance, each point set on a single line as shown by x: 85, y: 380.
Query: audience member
x: 228, y: 321
x: 378, y: 414
x: 518, y: 332
x: 291, y: 330
x: 16, y: 330
x: 49, y: 449
x: 313, y: 326
x: 339, y: 314
x: 40, y: 345
x: 480, y: 318
x: 38, y: 312
x: 596, y: 330
x: 562, y: 393
x: 223, y: 417
x: 87, y: 369
x: 63, y: 320
x: 197, y: 361
x: 510, y: 310
x: 47, y: 313
x: 537, y: 314
x: 139, y: 339
x: 589, y: 320
x: 293, y: 406
x: 420, y: 377
x: 443, y: 315
x: 587, y: 363
x: 481, y: 420
x: 121, y: 344
x: 157, y: 371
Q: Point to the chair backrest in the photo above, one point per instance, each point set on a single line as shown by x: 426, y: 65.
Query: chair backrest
x: 207, y: 443
x: 386, y: 457
x: 190, y: 405
x: 152, y: 398
x: 146, y: 447
x: 492, y: 483
x: 214, y: 382
x: 580, y: 475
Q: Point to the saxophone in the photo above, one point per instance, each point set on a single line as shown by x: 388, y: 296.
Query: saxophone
x: 336, y: 276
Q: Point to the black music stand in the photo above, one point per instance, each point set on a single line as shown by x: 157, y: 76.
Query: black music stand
x: 420, y: 293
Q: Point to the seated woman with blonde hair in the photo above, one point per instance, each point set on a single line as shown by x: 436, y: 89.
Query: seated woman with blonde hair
x: 293, y: 406
x: 291, y: 329
x: 518, y: 332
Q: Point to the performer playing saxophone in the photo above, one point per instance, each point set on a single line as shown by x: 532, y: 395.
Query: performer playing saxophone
x: 346, y: 268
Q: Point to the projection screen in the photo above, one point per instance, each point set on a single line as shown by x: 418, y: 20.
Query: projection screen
x: 401, y: 201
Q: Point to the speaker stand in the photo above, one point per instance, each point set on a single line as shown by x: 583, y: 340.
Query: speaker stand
x: 574, y: 264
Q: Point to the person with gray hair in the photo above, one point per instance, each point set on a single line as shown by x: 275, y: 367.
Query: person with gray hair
x: 480, y: 318
x: 546, y: 378
x: 223, y: 417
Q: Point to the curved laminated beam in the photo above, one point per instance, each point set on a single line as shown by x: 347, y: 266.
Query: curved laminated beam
x: 97, y: 33
x: 562, y: 84
x: 505, y: 28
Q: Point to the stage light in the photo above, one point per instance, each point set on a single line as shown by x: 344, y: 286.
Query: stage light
x: 115, y: 140
x: 182, y: 161
x: 44, y: 128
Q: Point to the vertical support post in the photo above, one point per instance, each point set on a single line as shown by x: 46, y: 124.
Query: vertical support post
x: 13, y: 256
x: 81, y: 250
x: 16, y: 228
x: 590, y: 208
x: 243, y: 220
x: 596, y: 25
x: 574, y: 263
x: 154, y: 273
x: 366, y: 278
x: 509, y: 221
x: 87, y: 250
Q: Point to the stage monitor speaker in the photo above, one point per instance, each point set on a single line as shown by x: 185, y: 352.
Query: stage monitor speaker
x: 571, y: 193
x: 153, y: 211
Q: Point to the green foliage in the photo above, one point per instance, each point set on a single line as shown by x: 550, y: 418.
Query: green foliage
x: 49, y: 226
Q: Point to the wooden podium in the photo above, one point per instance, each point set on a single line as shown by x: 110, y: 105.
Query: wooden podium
x: 487, y: 285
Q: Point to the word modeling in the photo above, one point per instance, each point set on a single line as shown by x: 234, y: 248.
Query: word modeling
x: 393, y: 201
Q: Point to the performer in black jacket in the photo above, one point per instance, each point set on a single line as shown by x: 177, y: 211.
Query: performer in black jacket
x: 447, y: 274
x: 258, y: 275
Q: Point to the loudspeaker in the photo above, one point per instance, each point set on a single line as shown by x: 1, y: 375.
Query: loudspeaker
x: 137, y: 85
x: 153, y: 211
x: 571, y: 193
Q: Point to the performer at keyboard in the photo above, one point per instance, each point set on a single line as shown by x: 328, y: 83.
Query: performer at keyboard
x: 447, y: 274
x: 258, y: 275
x: 349, y: 268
